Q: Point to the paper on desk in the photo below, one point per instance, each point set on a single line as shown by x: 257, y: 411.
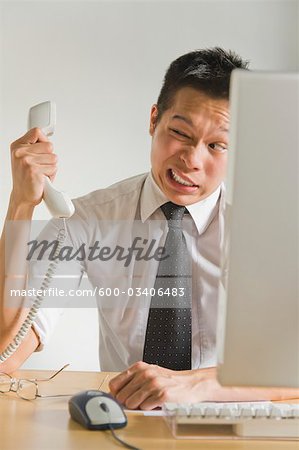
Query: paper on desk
x: 153, y: 412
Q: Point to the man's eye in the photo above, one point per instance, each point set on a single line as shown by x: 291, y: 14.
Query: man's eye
x: 219, y: 148
x: 178, y: 132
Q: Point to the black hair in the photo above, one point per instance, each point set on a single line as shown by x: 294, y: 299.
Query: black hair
x: 207, y: 70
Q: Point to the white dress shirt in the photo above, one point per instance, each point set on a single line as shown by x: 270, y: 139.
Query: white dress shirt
x: 107, y: 216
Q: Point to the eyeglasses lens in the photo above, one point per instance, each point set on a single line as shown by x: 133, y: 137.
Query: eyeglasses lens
x: 5, y: 382
x: 27, y: 390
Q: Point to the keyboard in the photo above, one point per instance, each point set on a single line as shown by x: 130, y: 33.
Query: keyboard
x: 241, y: 419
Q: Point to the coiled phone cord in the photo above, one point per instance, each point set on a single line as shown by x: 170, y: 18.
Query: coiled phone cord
x: 12, y: 347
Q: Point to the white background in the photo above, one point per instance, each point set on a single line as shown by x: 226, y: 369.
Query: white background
x: 103, y: 64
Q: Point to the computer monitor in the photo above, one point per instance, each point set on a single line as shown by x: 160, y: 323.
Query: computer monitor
x: 258, y: 320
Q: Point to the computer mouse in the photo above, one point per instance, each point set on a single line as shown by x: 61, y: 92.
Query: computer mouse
x: 97, y: 410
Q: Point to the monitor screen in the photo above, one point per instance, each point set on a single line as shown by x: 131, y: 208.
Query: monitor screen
x: 258, y: 315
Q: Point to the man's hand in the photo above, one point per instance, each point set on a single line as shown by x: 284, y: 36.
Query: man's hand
x: 146, y: 386
x: 32, y: 158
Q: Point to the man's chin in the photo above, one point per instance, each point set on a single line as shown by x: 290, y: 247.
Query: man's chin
x: 186, y: 199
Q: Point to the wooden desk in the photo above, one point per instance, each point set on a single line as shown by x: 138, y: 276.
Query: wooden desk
x: 45, y: 423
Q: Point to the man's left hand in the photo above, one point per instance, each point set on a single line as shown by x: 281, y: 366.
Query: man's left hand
x: 146, y: 386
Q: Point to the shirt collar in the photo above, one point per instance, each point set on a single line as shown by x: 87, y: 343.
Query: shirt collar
x: 201, y: 212
x: 151, y: 198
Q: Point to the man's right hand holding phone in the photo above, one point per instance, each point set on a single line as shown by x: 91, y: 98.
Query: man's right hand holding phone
x: 32, y: 158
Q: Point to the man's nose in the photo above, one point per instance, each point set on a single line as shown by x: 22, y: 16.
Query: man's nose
x: 194, y: 157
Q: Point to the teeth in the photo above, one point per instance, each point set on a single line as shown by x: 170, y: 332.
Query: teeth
x: 180, y: 180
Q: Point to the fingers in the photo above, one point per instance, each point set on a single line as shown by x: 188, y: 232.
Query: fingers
x: 118, y: 382
x: 150, y: 394
x: 141, y: 386
x: 152, y: 402
x: 129, y: 390
x: 31, y: 137
x: 18, y: 150
x: 32, y: 159
x: 40, y: 152
x: 48, y: 170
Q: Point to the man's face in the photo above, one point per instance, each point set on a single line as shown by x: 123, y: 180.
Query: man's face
x: 189, y: 146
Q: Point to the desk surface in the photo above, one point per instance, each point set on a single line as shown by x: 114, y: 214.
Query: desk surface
x: 45, y: 424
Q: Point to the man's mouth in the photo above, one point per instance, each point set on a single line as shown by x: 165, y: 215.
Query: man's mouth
x: 181, y: 180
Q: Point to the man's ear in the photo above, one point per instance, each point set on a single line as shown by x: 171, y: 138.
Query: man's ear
x: 153, y: 119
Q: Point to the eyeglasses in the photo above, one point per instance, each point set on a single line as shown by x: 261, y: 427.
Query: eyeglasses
x: 27, y: 389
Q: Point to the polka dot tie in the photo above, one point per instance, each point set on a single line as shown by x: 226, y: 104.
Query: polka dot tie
x: 168, y: 334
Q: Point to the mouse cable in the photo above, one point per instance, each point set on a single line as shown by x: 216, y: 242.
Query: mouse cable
x: 106, y: 409
x: 125, y: 444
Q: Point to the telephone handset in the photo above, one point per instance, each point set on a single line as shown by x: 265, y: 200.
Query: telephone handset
x: 43, y: 116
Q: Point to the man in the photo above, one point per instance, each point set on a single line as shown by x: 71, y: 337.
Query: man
x: 189, y: 130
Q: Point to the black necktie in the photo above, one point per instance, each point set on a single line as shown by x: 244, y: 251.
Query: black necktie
x: 168, y: 334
